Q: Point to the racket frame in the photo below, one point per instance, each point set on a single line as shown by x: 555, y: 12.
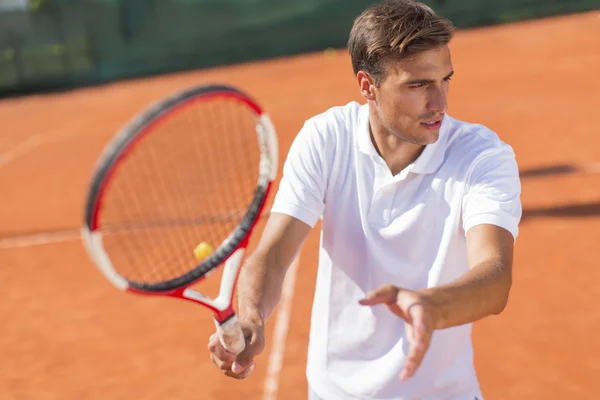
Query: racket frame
x: 230, y: 252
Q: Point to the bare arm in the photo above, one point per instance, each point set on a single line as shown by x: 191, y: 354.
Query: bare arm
x: 480, y: 292
x: 261, y: 279
x: 259, y: 290
x: 484, y: 289
x: 302, y: 192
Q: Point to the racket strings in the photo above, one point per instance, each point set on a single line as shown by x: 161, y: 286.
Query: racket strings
x: 179, y: 186
x: 144, y: 166
x: 153, y: 194
x: 189, y: 179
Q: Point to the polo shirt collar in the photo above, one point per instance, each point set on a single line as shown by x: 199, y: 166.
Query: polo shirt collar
x: 428, y: 162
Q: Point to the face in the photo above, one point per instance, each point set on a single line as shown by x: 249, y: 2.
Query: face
x: 411, y: 99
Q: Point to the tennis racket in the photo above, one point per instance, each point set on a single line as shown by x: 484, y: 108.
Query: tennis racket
x: 193, y: 169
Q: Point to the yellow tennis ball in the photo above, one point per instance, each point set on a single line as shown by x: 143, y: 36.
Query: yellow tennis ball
x: 203, y: 250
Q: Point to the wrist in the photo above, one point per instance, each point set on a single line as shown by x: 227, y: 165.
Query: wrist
x: 436, y: 308
x: 251, y: 316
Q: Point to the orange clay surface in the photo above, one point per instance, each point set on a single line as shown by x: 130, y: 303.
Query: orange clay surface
x: 67, y: 334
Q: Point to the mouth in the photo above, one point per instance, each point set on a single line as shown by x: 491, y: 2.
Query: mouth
x: 432, y: 124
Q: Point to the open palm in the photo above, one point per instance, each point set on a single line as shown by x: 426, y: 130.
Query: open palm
x: 419, y: 316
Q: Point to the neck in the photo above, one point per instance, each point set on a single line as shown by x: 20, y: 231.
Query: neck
x: 397, y: 153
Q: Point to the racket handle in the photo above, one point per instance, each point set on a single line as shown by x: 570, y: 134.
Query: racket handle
x: 231, y: 335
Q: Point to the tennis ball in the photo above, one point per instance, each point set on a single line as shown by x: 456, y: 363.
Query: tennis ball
x: 203, y: 250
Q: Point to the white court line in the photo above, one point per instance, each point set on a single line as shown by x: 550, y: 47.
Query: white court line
x: 19, y: 149
x: 39, y: 239
x: 282, y: 323
x: 282, y: 319
x: 33, y: 142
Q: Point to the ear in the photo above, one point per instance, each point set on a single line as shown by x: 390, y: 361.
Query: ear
x: 366, y: 85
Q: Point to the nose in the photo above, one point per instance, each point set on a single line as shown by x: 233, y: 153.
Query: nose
x: 437, y: 101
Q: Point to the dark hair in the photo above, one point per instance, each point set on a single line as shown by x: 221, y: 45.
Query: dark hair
x: 394, y: 30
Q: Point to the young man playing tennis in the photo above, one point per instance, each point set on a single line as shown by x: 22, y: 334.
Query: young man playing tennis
x: 419, y: 214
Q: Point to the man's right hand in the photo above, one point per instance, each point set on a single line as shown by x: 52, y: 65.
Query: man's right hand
x: 241, y: 366
x: 259, y: 290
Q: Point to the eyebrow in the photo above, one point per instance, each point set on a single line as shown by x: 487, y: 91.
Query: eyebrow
x: 419, y: 81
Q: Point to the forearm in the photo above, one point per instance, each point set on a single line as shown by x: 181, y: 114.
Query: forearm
x: 259, y: 287
x: 481, y: 292
x: 261, y: 278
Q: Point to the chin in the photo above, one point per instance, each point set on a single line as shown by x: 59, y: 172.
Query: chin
x: 433, y: 138
x: 420, y: 136
x: 428, y: 137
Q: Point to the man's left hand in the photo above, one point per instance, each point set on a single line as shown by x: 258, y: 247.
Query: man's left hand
x: 419, y: 315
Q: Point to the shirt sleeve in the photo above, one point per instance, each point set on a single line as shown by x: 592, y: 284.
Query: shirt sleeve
x: 301, y: 192
x: 494, y: 192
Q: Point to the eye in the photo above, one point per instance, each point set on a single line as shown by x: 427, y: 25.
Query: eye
x: 417, y: 86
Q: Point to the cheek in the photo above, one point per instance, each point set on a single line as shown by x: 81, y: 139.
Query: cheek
x: 407, y: 107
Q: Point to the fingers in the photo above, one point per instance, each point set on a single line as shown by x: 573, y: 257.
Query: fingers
x: 239, y: 372
x: 418, y: 315
x: 240, y: 366
x: 384, y: 295
x: 219, y: 356
x: 255, y: 345
x: 419, y: 335
x: 387, y: 295
x: 243, y: 365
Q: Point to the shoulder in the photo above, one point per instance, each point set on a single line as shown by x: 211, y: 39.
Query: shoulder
x: 342, y: 114
x: 337, y: 119
x: 330, y: 131
x: 469, y: 144
x: 324, y: 135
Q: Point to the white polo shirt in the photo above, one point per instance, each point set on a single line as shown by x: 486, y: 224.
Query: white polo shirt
x: 407, y: 230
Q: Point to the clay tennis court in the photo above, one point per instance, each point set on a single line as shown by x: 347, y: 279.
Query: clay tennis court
x: 67, y: 334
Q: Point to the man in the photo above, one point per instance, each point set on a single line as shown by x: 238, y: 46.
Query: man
x: 419, y: 213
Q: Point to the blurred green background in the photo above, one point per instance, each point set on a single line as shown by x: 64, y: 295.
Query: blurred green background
x: 59, y: 44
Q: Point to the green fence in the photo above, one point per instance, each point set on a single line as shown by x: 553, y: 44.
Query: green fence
x: 55, y: 44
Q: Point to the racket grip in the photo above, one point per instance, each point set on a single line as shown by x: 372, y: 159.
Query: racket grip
x: 231, y: 335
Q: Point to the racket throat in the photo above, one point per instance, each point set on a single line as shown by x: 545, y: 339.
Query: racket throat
x: 222, y: 304
x: 229, y: 278
x: 221, y: 317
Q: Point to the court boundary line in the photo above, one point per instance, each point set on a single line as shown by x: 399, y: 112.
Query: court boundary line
x: 40, y: 239
x: 282, y: 318
x: 33, y: 142
x: 279, y: 339
x: 19, y: 149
